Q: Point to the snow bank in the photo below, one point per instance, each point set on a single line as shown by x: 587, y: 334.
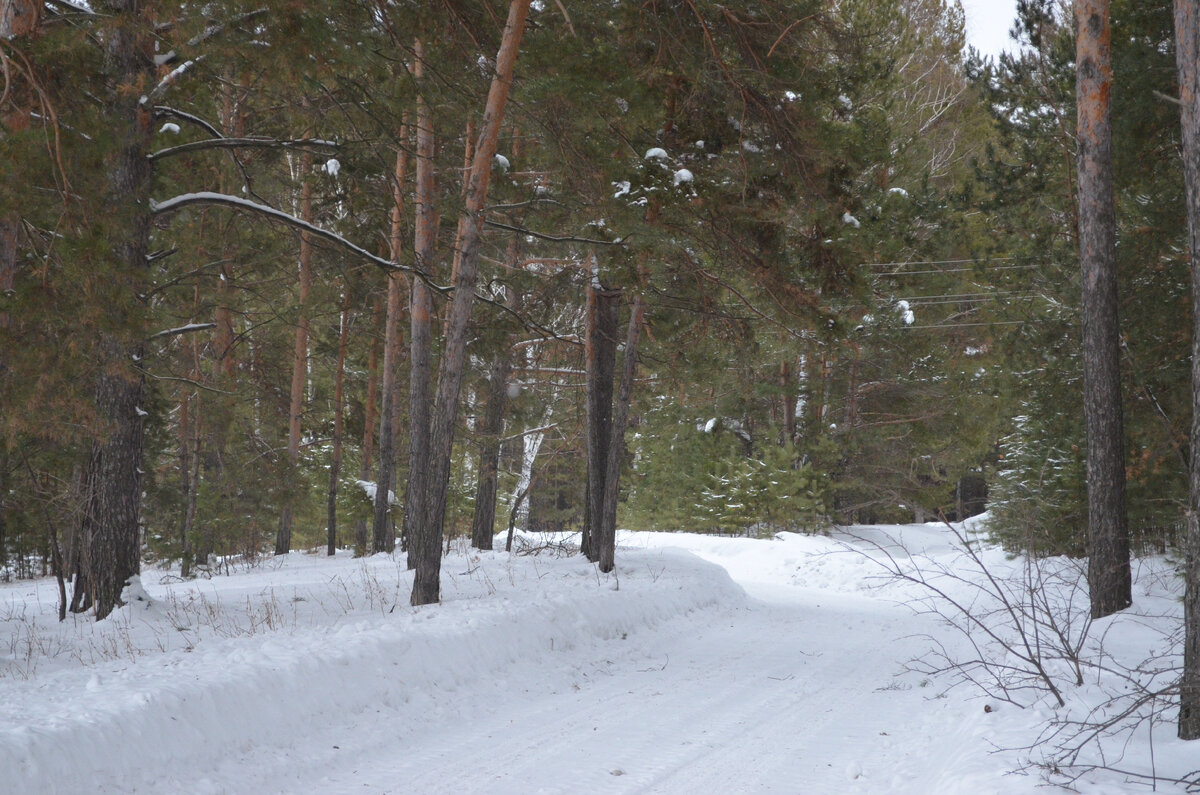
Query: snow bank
x: 159, y: 693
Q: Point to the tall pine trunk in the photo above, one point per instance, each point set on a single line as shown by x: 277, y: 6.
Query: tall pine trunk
x: 426, y: 581
x: 1108, y: 533
x: 606, y: 538
x: 110, y: 537
x: 283, y: 541
x: 600, y: 352
x: 420, y: 324
x: 335, y: 464
x: 384, y: 535
x: 1187, y: 53
x: 483, y: 523
x: 370, y: 408
x: 484, y: 519
x: 189, y: 453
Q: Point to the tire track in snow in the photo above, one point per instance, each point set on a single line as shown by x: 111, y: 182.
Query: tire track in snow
x: 746, y: 701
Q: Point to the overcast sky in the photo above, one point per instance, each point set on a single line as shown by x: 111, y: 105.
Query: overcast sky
x: 988, y: 23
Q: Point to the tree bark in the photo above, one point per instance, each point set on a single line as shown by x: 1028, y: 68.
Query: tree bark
x: 1187, y: 53
x: 420, y: 325
x: 369, y: 419
x: 110, y: 537
x: 1109, y: 578
x: 787, y: 385
x: 9, y: 227
x: 483, y: 523
x: 600, y: 351
x: 19, y: 17
x: 384, y: 536
x: 426, y: 582
x: 335, y: 465
x: 283, y: 541
x: 189, y: 455
x: 606, y: 539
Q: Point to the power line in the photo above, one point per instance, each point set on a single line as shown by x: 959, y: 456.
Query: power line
x: 958, y: 270
x: 976, y: 325
x: 957, y: 300
x: 937, y: 262
x: 987, y: 294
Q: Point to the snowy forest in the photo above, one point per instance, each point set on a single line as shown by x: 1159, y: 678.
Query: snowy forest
x: 354, y: 353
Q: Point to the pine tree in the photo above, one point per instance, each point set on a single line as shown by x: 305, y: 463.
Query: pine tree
x: 1187, y: 53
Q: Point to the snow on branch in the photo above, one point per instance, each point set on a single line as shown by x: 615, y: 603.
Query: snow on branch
x: 169, y: 79
x: 555, y: 238
x: 167, y: 110
x: 188, y: 329
x: 211, y: 198
x: 220, y: 142
x: 78, y: 8
x: 219, y: 27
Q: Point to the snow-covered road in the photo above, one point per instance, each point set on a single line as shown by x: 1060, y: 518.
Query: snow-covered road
x: 779, y: 669
x: 795, y: 691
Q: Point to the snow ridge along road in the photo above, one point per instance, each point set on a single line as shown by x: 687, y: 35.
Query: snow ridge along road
x: 306, y: 674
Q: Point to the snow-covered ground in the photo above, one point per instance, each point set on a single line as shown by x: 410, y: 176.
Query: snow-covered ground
x: 702, y: 664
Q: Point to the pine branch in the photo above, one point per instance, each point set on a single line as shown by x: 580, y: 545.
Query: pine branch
x: 188, y: 329
x: 241, y: 143
x: 209, y: 198
x: 555, y: 238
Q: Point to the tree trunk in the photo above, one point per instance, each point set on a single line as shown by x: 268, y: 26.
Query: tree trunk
x: 384, y: 536
x: 19, y: 17
x: 600, y: 350
x: 335, y: 465
x: 606, y: 539
x: 369, y: 419
x: 426, y: 582
x: 1187, y: 53
x: 189, y: 464
x: 1108, y: 535
x: 483, y: 524
x: 420, y: 325
x: 221, y: 407
x: 787, y: 385
x: 283, y: 541
x: 484, y: 520
x: 111, y: 543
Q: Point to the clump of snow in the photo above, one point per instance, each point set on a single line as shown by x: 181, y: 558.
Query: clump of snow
x: 501, y: 162
x: 370, y: 488
x: 332, y: 167
x: 623, y: 187
x: 682, y: 176
x: 134, y: 592
x: 906, y: 313
x: 170, y: 127
x: 656, y: 153
x: 850, y: 220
